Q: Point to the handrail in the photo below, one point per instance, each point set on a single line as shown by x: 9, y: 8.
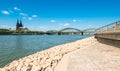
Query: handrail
x: 113, y: 27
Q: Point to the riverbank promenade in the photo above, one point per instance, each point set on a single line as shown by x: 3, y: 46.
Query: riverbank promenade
x: 98, y: 57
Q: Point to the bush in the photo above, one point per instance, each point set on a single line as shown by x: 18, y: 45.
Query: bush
x: 6, y: 32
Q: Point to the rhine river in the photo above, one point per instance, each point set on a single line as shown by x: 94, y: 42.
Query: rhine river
x: 16, y: 46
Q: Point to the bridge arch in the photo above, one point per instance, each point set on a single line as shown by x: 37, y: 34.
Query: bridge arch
x: 70, y: 29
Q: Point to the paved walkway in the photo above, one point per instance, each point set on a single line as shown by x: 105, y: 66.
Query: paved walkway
x: 98, y: 57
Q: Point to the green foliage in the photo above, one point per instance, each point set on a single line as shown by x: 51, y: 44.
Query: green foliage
x: 35, y: 32
x: 18, y: 31
x: 6, y: 32
x: 9, y: 32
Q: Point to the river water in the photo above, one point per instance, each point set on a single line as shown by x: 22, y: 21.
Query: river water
x: 13, y: 47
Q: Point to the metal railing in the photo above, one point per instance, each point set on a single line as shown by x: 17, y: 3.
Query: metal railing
x: 113, y: 27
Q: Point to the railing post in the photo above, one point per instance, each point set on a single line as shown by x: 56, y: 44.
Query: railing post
x: 96, y: 31
x: 115, y: 26
x: 107, y: 28
x: 118, y: 22
x: 102, y: 29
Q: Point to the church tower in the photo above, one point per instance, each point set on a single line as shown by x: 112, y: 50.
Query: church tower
x: 21, y: 25
x: 17, y: 25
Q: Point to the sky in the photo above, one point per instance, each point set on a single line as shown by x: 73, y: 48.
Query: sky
x: 43, y: 15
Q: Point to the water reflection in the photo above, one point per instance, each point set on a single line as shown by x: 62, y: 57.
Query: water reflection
x: 19, y: 42
x: 19, y: 50
x: 14, y: 50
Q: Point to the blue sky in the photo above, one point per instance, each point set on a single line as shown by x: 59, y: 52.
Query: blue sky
x: 57, y: 14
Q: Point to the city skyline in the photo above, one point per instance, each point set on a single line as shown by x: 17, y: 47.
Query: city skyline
x: 55, y: 15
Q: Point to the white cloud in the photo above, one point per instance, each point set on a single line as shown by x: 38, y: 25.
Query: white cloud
x: 23, y: 14
x: 34, y: 16
x: 30, y: 18
x: 41, y: 27
x: 24, y: 17
x: 74, y: 20
x: 89, y: 25
x: 5, y: 12
x: 66, y: 25
x: 16, y: 8
x: 53, y: 21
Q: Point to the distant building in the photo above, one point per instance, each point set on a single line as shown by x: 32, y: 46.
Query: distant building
x: 19, y: 26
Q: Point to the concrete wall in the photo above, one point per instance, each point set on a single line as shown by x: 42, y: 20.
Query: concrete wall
x: 109, y: 38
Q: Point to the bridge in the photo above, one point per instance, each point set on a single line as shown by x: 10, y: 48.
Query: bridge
x: 71, y: 31
x: 109, y: 34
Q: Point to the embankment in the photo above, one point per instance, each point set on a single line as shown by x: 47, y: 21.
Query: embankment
x: 48, y: 59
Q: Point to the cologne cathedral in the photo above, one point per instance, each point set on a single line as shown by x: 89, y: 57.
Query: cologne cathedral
x: 19, y: 26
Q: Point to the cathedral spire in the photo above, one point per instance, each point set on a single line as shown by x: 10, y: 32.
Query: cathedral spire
x: 17, y: 21
x: 17, y: 25
x: 21, y: 25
